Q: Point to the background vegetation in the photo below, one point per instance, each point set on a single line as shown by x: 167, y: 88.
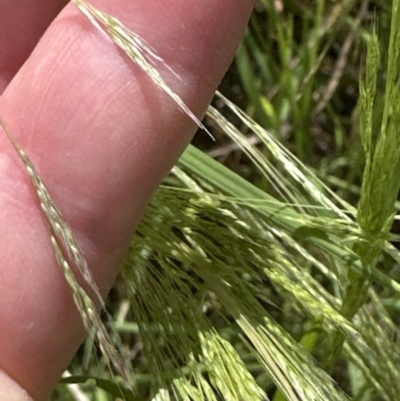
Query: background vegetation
x: 267, y: 264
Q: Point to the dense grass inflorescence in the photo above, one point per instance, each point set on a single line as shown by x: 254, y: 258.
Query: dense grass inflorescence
x: 266, y: 266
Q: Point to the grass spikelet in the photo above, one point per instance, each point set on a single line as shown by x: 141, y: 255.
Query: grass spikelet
x: 138, y: 50
x: 227, y: 371
x: 60, y: 231
x: 292, y: 166
x: 381, y: 176
x: 193, y: 255
x: 68, y: 254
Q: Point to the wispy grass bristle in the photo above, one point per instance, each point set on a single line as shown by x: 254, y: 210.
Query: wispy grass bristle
x: 139, y: 51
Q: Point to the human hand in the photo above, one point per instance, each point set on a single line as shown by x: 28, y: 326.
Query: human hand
x: 102, y: 136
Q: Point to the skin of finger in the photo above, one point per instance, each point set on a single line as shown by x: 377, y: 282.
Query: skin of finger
x: 12, y: 391
x: 22, y: 24
x: 102, y: 137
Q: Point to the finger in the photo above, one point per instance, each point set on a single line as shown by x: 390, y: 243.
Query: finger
x: 102, y: 136
x: 22, y: 24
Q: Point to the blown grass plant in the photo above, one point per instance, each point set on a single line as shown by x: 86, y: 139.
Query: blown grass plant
x: 277, y: 286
